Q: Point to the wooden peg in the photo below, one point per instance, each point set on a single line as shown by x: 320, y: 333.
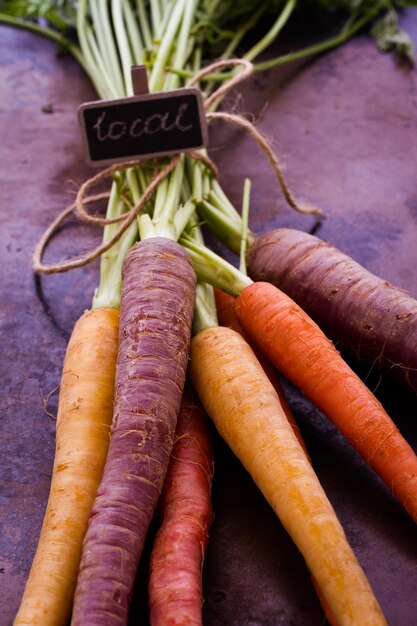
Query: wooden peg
x: 140, y: 80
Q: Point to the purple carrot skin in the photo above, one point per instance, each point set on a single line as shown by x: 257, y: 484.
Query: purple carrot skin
x: 175, y: 579
x: 367, y: 317
x: 157, y: 303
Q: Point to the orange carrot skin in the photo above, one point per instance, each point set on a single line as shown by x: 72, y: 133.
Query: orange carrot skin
x: 226, y: 314
x: 301, y: 351
x: 371, y: 320
x: 175, y: 581
x: 82, y: 437
x: 245, y: 408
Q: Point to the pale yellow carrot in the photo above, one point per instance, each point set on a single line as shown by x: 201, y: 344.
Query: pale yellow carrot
x: 247, y: 413
x: 82, y: 437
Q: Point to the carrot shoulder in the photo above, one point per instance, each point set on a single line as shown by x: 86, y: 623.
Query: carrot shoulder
x: 300, y: 350
x: 82, y: 437
x: 246, y: 410
x: 157, y: 304
x: 175, y: 578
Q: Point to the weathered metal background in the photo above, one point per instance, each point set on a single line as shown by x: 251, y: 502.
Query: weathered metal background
x: 345, y: 125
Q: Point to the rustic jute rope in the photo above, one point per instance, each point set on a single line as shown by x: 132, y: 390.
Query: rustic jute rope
x: 83, y: 199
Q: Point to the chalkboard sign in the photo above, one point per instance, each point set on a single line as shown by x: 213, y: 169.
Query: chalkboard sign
x: 149, y: 125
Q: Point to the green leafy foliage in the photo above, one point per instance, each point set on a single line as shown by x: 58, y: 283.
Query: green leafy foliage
x: 355, y: 6
x: 385, y: 28
x: 219, y: 20
x: 389, y: 36
x: 58, y: 14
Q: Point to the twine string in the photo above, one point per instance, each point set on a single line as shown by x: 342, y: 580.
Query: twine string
x: 228, y: 85
x: 80, y: 204
x: 238, y: 120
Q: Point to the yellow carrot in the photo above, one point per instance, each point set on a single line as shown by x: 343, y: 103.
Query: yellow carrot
x: 248, y: 415
x: 227, y: 317
x: 82, y: 437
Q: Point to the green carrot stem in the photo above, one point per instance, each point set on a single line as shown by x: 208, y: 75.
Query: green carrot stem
x: 180, y: 55
x: 182, y: 217
x: 245, y: 220
x: 172, y: 196
x: 211, y: 268
x: 104, y: 86
x: 205, y: 314
x: 156, y: 17
x: 145, y: 26
x: 347, y: 32
x: 134, y: 34
x: 146, y: 227
x: 90, y: 49
x: 105, y: 43
x: 123, y: 46
x: 108, y: 291
x: 157, y: 77
x: 241, y: 32
x: 273, y: 32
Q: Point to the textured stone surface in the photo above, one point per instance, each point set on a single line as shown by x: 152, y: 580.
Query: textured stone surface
x: 346, y: 127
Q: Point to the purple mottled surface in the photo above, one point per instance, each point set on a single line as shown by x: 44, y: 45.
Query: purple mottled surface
x: 345, y: 125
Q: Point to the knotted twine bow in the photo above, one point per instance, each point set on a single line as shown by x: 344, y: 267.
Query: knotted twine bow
x: 79, y: 207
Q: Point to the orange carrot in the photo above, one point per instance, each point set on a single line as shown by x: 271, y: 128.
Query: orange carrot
x: 175, y: 582
x: 226, y: 313
x: 82, y: 436
x: 247, y: 413
x: 300, y: 350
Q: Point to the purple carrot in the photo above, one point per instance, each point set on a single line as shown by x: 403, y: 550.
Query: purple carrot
x: 367, y: 317
x: 157, y: 304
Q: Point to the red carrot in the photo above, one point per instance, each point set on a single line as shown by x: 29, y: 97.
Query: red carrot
x: 175, y: 583
x: 300, y: 350
x: 157, y: 305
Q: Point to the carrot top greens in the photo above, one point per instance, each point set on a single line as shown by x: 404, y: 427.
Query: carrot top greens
x: 222, y: 25
x: 174, y: 39
x: 214, y: 271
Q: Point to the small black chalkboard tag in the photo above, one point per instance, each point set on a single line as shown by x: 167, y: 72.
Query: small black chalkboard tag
x: 146, y: 125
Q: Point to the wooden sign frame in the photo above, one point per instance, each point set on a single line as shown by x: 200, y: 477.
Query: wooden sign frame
x: 145, y: 125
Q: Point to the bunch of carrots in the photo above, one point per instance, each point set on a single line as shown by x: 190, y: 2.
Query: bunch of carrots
x: 177, y: 335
